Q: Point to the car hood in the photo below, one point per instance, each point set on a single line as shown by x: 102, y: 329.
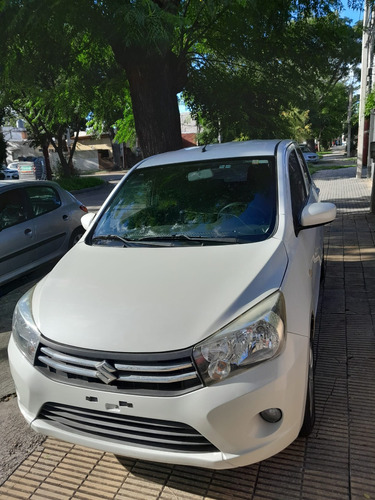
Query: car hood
x: 153, y: 299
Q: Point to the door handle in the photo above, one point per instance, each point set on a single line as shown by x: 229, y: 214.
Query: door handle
x: 65, y: 217
x: 28, y: 232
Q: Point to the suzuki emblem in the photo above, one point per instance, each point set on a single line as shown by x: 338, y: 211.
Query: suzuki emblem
x: 105, y: 371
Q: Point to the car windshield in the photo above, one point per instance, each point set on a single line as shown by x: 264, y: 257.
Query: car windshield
x: 211, y: 202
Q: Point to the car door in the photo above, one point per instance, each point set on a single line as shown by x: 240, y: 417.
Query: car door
x: 305, y: 246
x: 17, y: 235
x: 316, y: 233
x: 50, y: 219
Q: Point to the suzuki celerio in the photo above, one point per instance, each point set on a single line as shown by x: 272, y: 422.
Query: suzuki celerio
x: 179, y: 328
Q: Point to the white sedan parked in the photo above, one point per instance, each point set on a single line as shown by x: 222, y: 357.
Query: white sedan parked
x: 39, y: 222
x: 8, y: 173
x: 188, y: 312
x: 310, y: 156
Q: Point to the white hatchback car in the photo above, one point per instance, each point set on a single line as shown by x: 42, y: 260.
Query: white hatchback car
x: 180, y: 328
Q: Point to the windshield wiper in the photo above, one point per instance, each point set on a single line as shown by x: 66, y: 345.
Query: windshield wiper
x: 184, y: 237
x: 126, y: 241
x: 153, y: 240
x: 114, y: 237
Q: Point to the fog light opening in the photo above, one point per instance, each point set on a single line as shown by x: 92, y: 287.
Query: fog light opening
x: 271, y: 415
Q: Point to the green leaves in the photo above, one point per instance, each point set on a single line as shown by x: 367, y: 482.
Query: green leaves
x: 249, y: 79
x: 248, y: 68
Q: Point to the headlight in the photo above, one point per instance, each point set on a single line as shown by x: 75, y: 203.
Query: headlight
x: 255, y: 336
x: 25, y: 332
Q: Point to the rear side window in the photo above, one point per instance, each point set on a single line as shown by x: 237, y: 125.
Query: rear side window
x: 43, y: 199
x: 13, y: 208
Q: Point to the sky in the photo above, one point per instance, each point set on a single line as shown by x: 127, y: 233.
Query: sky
x: 355, y: 15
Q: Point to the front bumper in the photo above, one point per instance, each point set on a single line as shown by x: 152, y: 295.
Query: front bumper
x: 225, y: 414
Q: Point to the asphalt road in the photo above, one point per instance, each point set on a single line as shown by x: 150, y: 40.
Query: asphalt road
x: 17, y: 439
x: 93, y: 198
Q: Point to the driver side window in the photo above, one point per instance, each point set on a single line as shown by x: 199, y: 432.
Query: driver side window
x: 298, y: 191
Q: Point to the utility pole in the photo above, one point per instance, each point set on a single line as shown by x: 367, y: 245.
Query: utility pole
x: 367, y: 51
x: 349, y: 119
x: 372, y: 197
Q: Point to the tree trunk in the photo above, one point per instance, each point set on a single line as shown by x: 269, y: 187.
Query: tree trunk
x: 116, y: 150
x: 61, y: 146
x: 153, y: 81
x: 47, y: 162
x: 72, y: 149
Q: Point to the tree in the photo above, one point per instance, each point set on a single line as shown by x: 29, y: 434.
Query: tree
x: 112, y: 112
x: 337, y: 46
x: 292, y: 69
x: 53, y: 78
x: 298, y: 123
x: 328, y: 120
x: 162, y: 44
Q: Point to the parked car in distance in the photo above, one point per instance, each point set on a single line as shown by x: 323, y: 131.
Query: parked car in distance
x: 31, y: 168
x: 310, y: 156
x: 179, y: 329
x: 39, y: 222
x: 8, y: 173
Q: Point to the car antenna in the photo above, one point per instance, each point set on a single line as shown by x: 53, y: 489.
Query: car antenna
x: 204, y: 148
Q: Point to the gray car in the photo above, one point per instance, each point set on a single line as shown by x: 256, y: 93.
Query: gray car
x: 39, y: 222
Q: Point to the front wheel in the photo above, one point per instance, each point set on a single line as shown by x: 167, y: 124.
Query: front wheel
x: 309, y: 418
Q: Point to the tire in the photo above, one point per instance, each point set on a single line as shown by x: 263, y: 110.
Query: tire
x: 309, y: 418
x: 76, y: 236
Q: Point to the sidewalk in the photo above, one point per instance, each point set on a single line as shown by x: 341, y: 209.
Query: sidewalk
x: 341, y: 453
x: 336, y: 462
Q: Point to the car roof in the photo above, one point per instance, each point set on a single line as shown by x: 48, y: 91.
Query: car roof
x: 217, y: 151
x: 10, y: 184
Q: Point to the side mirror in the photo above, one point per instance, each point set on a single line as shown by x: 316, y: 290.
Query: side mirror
x: 317, y: 214
x: 87, y: 219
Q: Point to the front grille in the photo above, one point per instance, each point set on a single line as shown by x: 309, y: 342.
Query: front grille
x: 167, y: 374
x: 126, y: 429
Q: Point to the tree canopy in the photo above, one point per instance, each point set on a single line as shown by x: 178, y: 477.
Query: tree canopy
x: 54, y: 77
x: 296, y: 67
x: 242, y: 64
